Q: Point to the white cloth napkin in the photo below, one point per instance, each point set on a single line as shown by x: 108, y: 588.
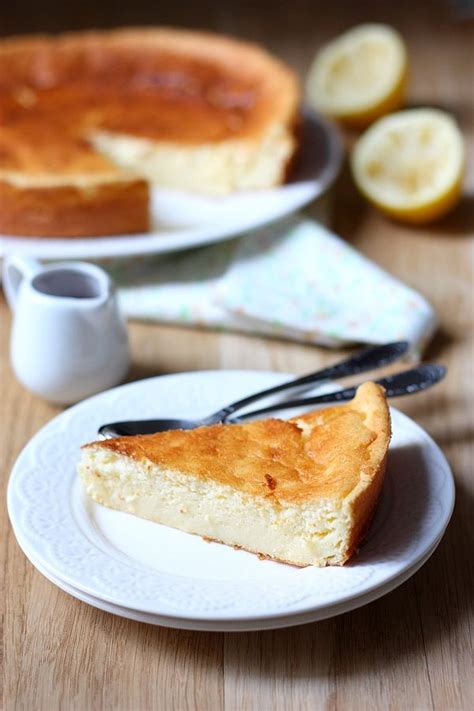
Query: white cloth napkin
x: 294, y: 280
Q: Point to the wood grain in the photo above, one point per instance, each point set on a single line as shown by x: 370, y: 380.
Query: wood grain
x: 413, y: 648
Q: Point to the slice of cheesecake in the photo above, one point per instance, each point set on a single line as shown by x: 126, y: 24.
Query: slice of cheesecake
x: 301, y: 491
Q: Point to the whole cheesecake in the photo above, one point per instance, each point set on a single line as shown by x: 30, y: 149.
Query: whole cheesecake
x: 89, y: 120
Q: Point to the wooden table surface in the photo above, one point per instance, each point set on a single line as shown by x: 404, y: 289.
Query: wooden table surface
x: 413, y: 648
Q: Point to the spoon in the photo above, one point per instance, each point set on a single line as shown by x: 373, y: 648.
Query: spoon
x: 368, y: 359
x: 405, y: 383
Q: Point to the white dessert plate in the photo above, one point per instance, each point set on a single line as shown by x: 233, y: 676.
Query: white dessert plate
x: 135, y: 564
x: 184, y: 220
x: 232, y: 626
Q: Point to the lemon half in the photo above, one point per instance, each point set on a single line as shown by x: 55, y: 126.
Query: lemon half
x: 410, y: 164
x: 359, y: 76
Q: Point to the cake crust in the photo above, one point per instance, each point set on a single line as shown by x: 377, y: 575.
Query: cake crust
x: 63, y: 98
x: 315, y: 455
x: 104, y: 208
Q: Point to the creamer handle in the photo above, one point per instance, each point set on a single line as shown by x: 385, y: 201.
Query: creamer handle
x: 15, y: 269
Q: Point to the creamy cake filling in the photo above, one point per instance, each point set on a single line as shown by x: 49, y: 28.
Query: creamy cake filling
x: 311, y: 533
x: 215, y: 168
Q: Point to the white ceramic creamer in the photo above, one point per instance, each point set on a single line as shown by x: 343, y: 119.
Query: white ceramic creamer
x: 68, y: 337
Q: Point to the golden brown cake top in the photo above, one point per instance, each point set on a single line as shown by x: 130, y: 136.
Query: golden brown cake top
x: 160, y: 84
x: 325, y: 453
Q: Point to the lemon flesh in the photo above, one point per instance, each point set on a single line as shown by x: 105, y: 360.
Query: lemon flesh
x: 410, y: 164
x: 360, y: 75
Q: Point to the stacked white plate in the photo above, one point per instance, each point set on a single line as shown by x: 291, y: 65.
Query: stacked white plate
x: 144, y: 571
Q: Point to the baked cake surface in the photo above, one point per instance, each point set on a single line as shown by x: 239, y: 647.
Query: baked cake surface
x: 91, y: 113
x: 302, y: 491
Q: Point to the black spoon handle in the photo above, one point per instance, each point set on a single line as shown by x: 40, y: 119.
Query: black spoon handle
x: 405, y: 383
x: 368, y: 359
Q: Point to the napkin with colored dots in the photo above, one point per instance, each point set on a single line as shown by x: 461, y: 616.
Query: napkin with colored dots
x: 294, y: 280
